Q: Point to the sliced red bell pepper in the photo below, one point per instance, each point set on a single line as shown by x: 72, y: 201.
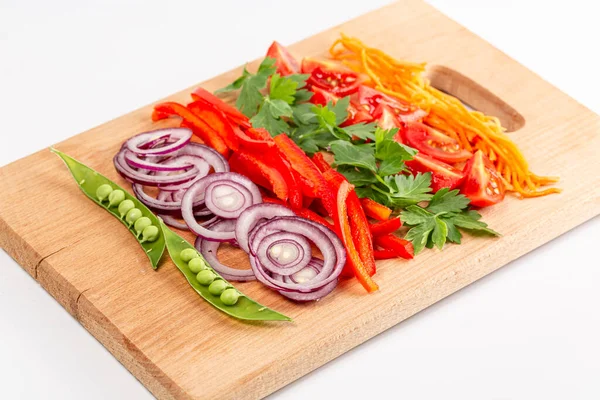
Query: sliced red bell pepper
x: 231, y: 112
x: 311, y: 182
x: 260, y: 173
x: 320, y: 162
x: 157, y: 116
x: 385, y: 227
x: 216, y: 120
x: 259, y: 134
x: 196, y: 124
x: 403, y: 248
x: 385, y: 254
x: 361, y: 234
x: 343, y: 224
x: 375, y: 210
x: 313, y: 216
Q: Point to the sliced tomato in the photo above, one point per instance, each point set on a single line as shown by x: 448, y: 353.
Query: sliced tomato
x: 285, y: 62
x: 483, y: 184
x: 442, y: 174
x: 330, y: 76
x: 370, y: 98
x: 322, y: 97
x: 433, y: 143
x: 386, y: 118
x: 356, y: 115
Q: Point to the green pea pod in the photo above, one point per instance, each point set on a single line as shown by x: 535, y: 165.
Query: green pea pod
x: 89, y: 180
x: 245, y: 308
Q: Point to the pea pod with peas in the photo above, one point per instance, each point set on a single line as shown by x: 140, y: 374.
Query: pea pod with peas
x: 211, y: 286
x: 140, y: 221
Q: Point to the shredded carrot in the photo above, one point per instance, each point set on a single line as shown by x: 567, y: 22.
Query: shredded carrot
x: 473, y: 129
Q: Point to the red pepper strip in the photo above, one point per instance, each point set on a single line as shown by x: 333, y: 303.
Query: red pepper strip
x: 361, y: 234
x: 375, y: 210
x: 311, y: 182
x: 216, y: 120
x: 255, y: 141
x: 402, y: 248
x: 320, y: 162
x: 313, y: 216
x: 385, y: 227
x: 231, y: 112
x: 259, y: 134
x: 273, y: 200
x: 157, y: 115
x: 260, y: 173
x: 196, y: 124
x: 385, y: 254
x: 360, y: 271
x: 303, y: 212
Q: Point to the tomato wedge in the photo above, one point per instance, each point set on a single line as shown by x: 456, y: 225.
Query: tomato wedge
x: 442, y: 174
x: 433, y: 143
x: 483, y: 184
x: 330, y: 76
x: 322, y: 96
x: 370, y: 98
x: 285, y: 62
x: 386, y: 118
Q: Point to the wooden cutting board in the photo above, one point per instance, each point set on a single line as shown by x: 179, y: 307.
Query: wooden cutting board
x: 180, y: 347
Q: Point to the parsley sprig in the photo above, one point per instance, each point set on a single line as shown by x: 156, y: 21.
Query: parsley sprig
x: 439, y: 221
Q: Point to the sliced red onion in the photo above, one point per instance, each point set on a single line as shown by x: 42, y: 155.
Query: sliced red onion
x: 146, y: 143
x: 150, y: 180
x: 252, y: 215
x: 211, y: 156
x: 187, y: 203
x: 209, y: 250
x: 173, y: 222
x: 136, y: 162
x: 309, y: 272
x: 328, y: 243
x: 284, y: 253
x: 227, y: 199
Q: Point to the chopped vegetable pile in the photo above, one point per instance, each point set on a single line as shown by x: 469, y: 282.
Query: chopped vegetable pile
x: 321, y: 168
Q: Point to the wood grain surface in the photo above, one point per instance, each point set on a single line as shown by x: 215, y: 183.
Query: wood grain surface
x: 179, y: 346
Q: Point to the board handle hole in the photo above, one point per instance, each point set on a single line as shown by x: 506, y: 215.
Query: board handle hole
x: 474, y: 96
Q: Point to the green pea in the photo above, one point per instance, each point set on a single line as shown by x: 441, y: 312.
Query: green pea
x: 141, y: 224
x: 116, y: 197
x: 150, y: 233
x: 133, y: 215
x: 230, y: 296
x: 217, y: 287
x: 103, y: 192
x: 196, y: 265
x: 205, y: 277
x: 187, y: 254
x: 125, y: 206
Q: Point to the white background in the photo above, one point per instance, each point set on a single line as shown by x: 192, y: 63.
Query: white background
x: 528, y: 331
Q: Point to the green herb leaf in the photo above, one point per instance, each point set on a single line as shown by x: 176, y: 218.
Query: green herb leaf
x: 362, y: 131
x: 360, y: 156
x: 250, y: 97
x: 447, y: 201
x: 283, y: 89
x: 357, y: 176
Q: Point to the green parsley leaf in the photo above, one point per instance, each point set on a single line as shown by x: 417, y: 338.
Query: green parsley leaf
x: 362, y: 131
x: 360, y: 156
x: 283, y: 88
x: 440, y: 231
x: 269, y: 116
x: 408, y: 189
x: 303, y: 114
x: 391, y: 166
x: 357, y: 176
x: 340, y: 109
x: 470, y: 220
x: 447, y: 201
